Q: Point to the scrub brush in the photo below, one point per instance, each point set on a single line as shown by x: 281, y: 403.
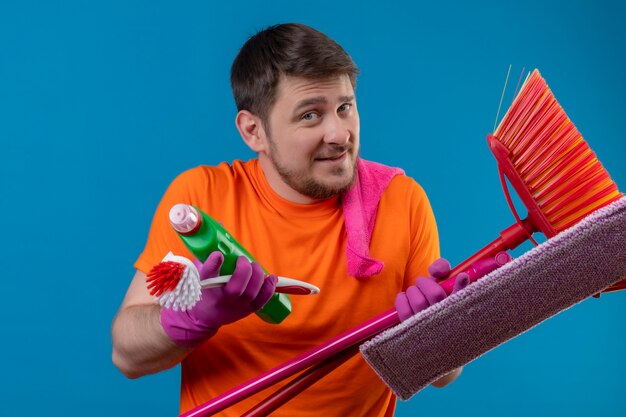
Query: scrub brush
x: 176, y: 284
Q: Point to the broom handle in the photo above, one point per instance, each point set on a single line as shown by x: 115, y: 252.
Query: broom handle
x: 509, y: 238
x: 299, y: 384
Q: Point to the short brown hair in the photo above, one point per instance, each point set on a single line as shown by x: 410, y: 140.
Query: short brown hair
x: 290, y: 49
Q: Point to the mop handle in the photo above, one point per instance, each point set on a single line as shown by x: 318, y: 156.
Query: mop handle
x: 344, y: 341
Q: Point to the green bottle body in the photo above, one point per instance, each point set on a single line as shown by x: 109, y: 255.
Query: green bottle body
x: 210, y: 237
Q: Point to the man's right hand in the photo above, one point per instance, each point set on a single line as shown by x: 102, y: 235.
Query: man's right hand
x: 247, y: 291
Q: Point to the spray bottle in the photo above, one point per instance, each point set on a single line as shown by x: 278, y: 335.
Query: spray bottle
x: 203, y: 235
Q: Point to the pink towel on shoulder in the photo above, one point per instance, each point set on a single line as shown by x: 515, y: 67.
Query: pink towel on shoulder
x: 360, y: 205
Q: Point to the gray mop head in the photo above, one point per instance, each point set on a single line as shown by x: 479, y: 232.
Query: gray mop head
x: 561, y: 272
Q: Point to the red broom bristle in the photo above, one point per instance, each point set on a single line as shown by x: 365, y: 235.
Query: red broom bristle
x: 561, y: 172
x: 164, y: 277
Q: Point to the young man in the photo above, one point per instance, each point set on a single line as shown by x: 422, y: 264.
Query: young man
x: 307, y: 208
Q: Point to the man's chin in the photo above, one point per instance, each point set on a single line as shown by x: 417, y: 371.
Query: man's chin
x: 323, y: 181
x: 339, y: 185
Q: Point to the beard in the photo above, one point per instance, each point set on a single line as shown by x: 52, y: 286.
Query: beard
x: 304, y: 181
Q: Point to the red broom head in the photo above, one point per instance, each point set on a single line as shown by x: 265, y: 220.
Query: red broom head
x: 164, y: 277
x: 562, y: 174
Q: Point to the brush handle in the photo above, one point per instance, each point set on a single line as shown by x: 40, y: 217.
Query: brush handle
x: 284, y: 285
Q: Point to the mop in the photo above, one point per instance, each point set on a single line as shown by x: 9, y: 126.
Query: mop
x: 552, y: 277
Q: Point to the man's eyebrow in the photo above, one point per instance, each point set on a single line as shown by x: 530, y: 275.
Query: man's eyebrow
x: 309, y: 101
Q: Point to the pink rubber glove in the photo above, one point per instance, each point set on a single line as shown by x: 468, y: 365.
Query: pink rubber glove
x: 427, y: 291
x: 246, y: 292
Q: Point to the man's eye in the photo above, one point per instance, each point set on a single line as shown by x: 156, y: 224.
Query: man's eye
x: 309, y: 116
x: 344, y: 107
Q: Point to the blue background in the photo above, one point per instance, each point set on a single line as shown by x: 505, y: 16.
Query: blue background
x: 103, y: 103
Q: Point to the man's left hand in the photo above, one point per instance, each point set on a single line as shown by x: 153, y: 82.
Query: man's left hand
x: 427, y: 291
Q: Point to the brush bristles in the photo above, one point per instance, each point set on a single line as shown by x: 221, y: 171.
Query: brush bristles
x: 175, y: 283
x: 561, y: 172
x: 164, y: 277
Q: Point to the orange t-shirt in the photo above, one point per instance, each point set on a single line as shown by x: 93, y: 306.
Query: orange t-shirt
x: 305, y: 242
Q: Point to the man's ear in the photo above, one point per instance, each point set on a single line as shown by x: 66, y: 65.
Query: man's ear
x: 251, y: 130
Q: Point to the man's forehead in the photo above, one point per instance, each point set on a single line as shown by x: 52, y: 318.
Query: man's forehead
x: 296, y: 89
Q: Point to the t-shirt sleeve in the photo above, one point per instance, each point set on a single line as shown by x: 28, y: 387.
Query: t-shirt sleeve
x: 188, y: 188
x: 424, y: 235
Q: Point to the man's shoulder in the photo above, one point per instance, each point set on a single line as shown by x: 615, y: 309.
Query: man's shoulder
x: 403, y: 184
x: 400, y: 185
x: 404, y: 191
x: 209, y: 173
x: 203, y: 180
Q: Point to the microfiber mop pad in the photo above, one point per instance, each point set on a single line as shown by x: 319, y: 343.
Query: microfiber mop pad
x: 570, y: 267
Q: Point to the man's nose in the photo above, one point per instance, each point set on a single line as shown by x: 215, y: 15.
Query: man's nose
x: 336, y: 131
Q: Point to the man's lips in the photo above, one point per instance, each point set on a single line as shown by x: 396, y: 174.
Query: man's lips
x: 334, y: 157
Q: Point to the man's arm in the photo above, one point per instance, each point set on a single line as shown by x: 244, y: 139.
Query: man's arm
x: 140, y: 345
x: 148, y: 339
x: 448, y: 378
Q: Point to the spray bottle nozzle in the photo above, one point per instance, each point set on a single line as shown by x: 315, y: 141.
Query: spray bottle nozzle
x: 185, y: 219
